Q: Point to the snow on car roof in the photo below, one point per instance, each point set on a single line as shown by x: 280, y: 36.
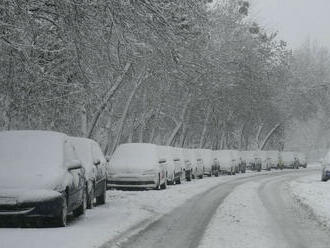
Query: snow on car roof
x: 224, y: 155
x: 31, y: 148
x: 30, y: 158
x: 134, y: 156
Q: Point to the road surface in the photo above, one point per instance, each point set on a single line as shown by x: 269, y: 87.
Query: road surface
x: 186, y: 225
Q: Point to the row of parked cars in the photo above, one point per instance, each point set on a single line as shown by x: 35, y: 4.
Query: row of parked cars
x: 50, y: 175
x: 151, y: 166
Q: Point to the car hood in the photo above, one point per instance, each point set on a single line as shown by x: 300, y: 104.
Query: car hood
x: 16, y: 196
x: 44, y: 179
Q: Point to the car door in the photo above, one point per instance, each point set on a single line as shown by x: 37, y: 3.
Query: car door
x: 100, y: 165
x: 77, y: 181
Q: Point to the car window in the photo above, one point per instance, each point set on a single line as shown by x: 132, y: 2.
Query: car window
x: 69, y: 152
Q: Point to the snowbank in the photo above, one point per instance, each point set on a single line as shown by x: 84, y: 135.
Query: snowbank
x: 313, y: 195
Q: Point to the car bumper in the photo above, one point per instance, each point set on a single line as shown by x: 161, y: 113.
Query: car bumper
x: 47, y: 208
x: 132, y: 182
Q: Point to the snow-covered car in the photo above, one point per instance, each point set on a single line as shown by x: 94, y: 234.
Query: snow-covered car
x: 302, y: 159
x: 94, y: 162
x: 188, y: 165
x: 174, y: 164
x: 265, y: 160
x: 197, y: 164
x: 211, y: 167
x: 240, y: 165
x: 227, y: 162
x: 288, y: 160
x: 248, y: 158
x: 273, y: 158
x: 40, y: 176
x: 325, y: 162
x: 137, y: 165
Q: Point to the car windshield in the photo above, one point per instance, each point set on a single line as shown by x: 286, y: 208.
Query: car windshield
x: 29, y: 159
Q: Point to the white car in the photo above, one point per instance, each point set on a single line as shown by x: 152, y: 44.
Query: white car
x: 227, y: 161
x: 210, y: 167
x: 249, y: 158
x: 302, y: 159
x: 274, y: 157
x: 137, y: 165
x: 174, y: 166
x: 197, y: 163
x: 188, y: 164
x: 265, y: 160
x: 288, y: 160
x: 94, y: 162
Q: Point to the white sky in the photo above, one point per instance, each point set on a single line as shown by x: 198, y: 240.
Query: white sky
x: 296, y: 20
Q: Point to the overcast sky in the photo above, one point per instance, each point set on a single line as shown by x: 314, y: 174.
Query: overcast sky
x: 296, y: 20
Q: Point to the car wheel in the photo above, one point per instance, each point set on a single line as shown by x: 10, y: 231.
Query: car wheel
x: 100, y: 200
x: 90, y: 198
x: 179, y: 180
x: 61, y: 220
x: 82, y: 208
x: 164, y: 185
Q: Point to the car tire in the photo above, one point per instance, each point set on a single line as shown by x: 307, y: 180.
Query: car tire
x: 178, y: 181
x: 164, y: 185
x: 90, y: 198
x: 61, y: 220
x: 100, y: 200
x: 82, y: 208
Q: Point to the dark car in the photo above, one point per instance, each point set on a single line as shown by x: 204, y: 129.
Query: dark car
x: 94, y: 162
x: 40, y: 176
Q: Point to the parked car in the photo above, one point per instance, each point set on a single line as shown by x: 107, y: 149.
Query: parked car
x: 227, y: 162
x: 265, y: 160
x: 288, y: 160
x: 94, y: 162
x: 174, y: 166
x: 248, y: 158
x: 197, y: 163
x: 211, y: 166
x: 188, y: 165
x: 325, y: 168
x: 302, y: 160
x: 137, y: 165
x: 240, y: 165
x: 40, y: 176
x: 274, y: 158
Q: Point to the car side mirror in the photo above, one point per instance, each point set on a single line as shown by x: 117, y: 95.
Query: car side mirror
x: 162, y: 161
x: 74, y: 165
x: 97, y: 162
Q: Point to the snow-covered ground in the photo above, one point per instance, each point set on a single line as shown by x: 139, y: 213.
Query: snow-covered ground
x: 314, y: 195
x: 242, y: 221
x: 123, y: 210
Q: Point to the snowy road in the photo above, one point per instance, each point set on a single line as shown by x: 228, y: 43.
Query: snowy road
x: 245, y: 212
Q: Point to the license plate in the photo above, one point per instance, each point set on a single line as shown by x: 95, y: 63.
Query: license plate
x: 7, y: 200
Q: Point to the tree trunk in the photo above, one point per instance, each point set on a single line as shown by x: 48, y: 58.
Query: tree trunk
x: 109, y: 134
x: 270, y: 133
x: 125, y: 112
x: 206, y: 121
x: 107, y: 98
x: 260, y: 127
x: 83, y: 120
x: 179, y: 124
